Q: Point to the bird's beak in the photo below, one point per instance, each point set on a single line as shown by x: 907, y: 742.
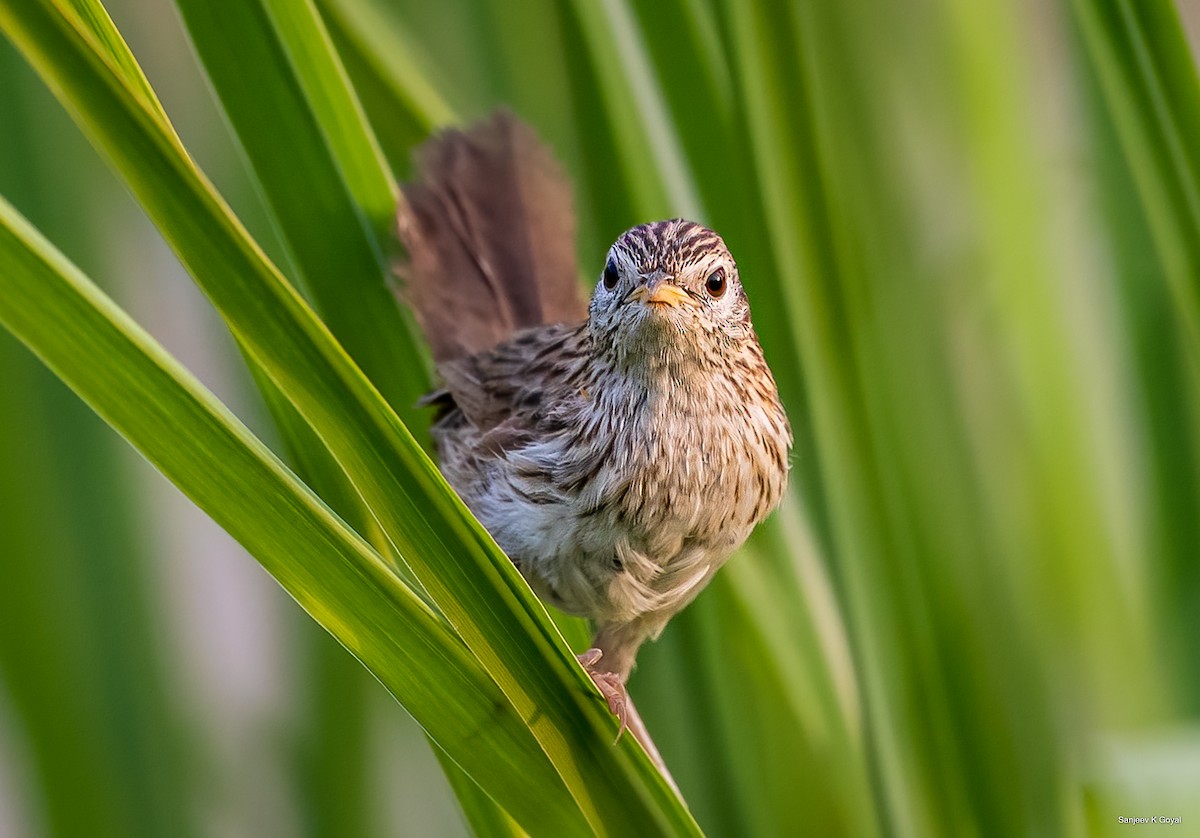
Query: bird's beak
x: 659, y: 293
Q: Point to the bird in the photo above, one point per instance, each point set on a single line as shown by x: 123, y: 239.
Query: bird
x: 617, y: 450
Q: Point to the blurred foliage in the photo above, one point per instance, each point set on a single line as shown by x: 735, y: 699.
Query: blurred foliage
x: 969, y: 232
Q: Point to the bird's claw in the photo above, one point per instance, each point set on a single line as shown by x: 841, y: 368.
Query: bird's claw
x: 610, y: 686
x: 589, y: 659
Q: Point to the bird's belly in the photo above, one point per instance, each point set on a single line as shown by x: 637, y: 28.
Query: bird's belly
x: 611, y: 549
x: 592, y: 565
x: 615, y: 527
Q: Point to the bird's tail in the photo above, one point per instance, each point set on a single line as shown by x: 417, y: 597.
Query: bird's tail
x: 489, y: 228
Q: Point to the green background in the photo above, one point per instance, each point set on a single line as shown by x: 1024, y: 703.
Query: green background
x: 970, y: 232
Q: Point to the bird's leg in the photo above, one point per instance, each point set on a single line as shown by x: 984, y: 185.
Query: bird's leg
x: 611, y: 686
x: 609, y: 662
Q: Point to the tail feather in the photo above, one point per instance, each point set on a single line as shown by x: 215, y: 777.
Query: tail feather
x: 490, y: 233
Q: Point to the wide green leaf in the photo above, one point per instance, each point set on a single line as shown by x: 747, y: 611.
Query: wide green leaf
x: 272, y: 67
x: 331, y: 572
x: 337, y: 220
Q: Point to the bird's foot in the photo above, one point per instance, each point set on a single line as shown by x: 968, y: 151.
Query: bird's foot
x: 611, y: 687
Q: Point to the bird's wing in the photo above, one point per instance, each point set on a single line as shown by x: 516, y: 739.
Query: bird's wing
x: 517, y: 383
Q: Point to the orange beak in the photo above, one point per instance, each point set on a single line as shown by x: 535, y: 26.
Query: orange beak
x: 663, y: 293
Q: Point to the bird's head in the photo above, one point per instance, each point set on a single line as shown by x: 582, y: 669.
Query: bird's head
x: 669, y: 291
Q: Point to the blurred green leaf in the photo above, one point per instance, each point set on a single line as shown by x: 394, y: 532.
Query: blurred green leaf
x: 1161, y: 349
x: 108, y: 755
x: 384, y: 59
x: 1148, y: 78
x: 80, y: 668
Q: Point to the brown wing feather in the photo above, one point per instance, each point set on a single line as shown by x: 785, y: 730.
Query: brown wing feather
x: 519, y: 379
x: 490, y: 233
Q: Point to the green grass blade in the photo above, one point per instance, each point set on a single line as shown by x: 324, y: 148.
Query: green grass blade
x: 1167, y: 385
x: 1149, y: 82
x: 486, y: 819
x: 336, y: 798
x: 94, y: 19
x: 473, y: 584
x: 326, y: 87
x: 397, y: 123
x: 332, y: 772
x: 84, y: 680
x: 272, y: 67
x: 275, y: 75
x: 626, y: 125
x: 333, y: 766
x: 81, y: 673
x: 330, y: 571
x: 384, y: 57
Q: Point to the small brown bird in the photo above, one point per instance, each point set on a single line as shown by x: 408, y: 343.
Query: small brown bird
x: 617, y: 452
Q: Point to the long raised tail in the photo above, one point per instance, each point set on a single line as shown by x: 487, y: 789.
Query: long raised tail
x: 490, y: 232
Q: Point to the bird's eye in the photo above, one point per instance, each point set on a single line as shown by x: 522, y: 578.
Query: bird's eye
x: 610, y: 275
x: 715, y: 284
